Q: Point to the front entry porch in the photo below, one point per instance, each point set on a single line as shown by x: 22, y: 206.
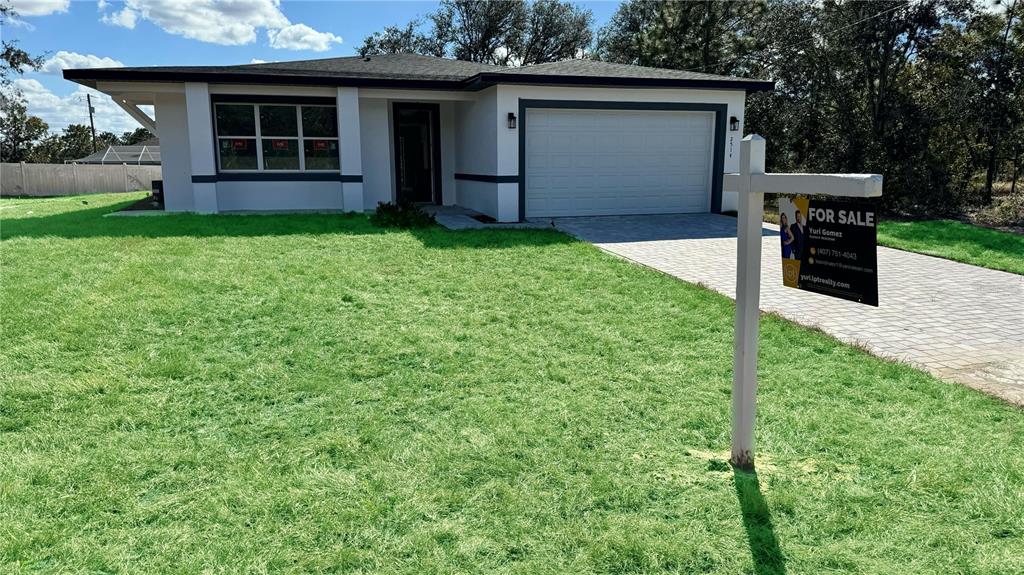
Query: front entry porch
x: 461, y: 218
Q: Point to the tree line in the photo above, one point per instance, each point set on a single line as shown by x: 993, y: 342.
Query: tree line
x: 929, y: 93
x: 27, y: 138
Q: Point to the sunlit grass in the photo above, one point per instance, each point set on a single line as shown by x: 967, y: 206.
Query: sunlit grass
x: 188, y: 394
x: 957, y: 241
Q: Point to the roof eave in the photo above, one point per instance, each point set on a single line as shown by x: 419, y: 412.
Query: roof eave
x: 89, y: 77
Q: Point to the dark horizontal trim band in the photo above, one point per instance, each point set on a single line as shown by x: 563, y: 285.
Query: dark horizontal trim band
x: 617, y: 105
x: 89, y: 77
x: 265, y: 99
x: 277, y: 177
x: 488, y: 178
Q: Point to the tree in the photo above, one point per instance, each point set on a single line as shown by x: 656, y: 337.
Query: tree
x: 849, y: 97
x: 705, y: 36
x: 106, y: 139
x: 486, y: 32
x: 13, y: 60
x: 555, y: 31
x: 136, y: 137
x: 401, y: 40
x: 507, y: 33
x: 20, y: 132
x: 74, y: 142
x: 999, y: 69
x: 47, y: 151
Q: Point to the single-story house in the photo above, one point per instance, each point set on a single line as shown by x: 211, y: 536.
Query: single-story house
x: 570, y: 138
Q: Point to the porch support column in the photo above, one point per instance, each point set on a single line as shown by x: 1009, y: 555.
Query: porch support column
x: 350, y: 148
x: 447, y: 153
x: 201, y: 151
x: 508, y: 154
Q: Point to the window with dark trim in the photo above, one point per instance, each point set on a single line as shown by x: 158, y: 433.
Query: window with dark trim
x: 276, y: 137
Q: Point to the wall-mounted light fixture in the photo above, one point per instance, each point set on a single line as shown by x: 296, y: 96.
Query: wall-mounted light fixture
x: 734, y: 123
x: 511, y: 121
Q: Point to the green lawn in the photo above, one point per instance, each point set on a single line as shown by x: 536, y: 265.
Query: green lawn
x: 956, y: 241
x: 214, y: 394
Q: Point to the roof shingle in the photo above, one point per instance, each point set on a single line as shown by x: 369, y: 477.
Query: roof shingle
x: 597, y: 68
x: 413, y: 70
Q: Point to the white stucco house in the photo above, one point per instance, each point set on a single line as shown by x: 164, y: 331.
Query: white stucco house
x: 569, y: 138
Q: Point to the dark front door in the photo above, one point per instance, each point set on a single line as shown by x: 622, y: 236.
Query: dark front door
x: 417, y: 153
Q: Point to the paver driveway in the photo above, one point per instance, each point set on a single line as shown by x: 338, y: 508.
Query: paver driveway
x: 958, y: 321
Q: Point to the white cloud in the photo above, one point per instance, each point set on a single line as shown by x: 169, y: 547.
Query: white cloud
x: 60, y: 111
x: 257, y: 61
x: 229, y: 23
x: 124, y: 18
x: 63, y: 60
x: 302, y: 37
x: 39, y: 7
x: 14, y: 22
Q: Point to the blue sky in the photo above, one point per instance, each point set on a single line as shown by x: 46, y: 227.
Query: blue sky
x: 188, y: 32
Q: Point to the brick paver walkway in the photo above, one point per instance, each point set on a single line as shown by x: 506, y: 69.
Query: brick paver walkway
x: 960, y: 322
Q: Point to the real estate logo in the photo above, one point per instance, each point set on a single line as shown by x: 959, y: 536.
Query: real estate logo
x: 829, y: 247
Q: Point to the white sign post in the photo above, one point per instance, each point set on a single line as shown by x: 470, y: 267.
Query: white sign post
x: 752, y: 183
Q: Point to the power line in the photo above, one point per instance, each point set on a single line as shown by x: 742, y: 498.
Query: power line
x: 795, y: 44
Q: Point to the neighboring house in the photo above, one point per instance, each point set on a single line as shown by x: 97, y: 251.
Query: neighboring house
x: 142, y: 154
x: 577, y: 137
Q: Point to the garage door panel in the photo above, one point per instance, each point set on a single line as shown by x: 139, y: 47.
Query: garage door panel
x: 596, y: 162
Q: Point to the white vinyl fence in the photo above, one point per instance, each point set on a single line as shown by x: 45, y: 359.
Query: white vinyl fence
x: 70, y: 179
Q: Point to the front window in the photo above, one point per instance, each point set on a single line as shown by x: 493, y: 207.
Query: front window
x: 273, y: 137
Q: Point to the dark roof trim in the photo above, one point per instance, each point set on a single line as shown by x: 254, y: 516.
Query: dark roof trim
x: 89, y: 77
x: 478, y: 81
x: 267, y: 99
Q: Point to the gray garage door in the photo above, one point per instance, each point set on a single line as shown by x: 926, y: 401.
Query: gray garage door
x: 608, y: 162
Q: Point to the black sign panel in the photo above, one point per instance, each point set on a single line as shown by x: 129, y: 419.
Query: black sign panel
x: 830, y: 247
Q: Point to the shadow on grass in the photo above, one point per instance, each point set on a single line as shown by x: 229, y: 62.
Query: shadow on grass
x: 91, y: 223
x: 757, y: 520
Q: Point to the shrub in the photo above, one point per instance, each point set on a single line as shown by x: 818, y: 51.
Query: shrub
x: 401, y: 214
x: 1004, y: 212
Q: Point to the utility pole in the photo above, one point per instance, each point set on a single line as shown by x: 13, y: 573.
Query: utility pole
x: 92, y: 126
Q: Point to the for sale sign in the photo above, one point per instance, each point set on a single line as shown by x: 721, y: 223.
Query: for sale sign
x: 829, y: 247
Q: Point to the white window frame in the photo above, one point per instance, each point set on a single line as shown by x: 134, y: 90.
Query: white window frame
x: 258, y: 139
